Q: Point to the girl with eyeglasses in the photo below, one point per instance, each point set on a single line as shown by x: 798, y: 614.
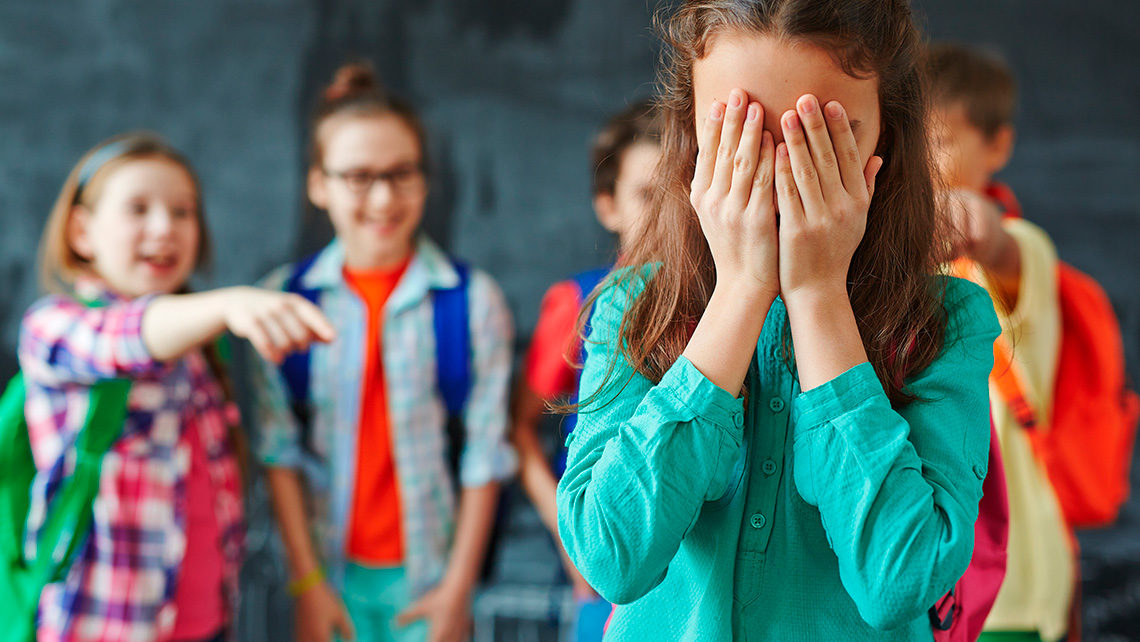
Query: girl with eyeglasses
x: 361, y: 444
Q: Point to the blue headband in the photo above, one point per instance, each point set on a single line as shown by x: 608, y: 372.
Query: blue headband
x: 97, y: 160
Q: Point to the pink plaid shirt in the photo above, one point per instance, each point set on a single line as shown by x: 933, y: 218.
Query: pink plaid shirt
x: 122, y: 583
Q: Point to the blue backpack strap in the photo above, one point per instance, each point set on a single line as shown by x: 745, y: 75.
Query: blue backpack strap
x: 295, y: 368
x: 587, y: 282
x: 452, y: 324
x: 590, y: 279
x: 450, y: 318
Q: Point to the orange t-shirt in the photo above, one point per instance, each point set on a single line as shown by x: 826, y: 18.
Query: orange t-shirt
x: 375, y: 536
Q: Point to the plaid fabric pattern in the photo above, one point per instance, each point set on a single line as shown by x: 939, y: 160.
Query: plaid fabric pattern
x: 417, y: 412
x: 122, y: 583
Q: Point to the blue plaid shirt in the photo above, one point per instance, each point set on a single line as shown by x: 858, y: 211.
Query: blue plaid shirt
x: 417, y: 412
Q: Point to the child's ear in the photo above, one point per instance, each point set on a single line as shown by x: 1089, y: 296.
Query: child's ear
x: 77, y: 237
x: 606, y: 210
x: 317, y: 189
x: 1000, y: 149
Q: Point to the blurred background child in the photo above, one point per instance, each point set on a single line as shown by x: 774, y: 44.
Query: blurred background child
x: 974, y: 102
x: 162, y: 557
x: 403, y: 510
x: 624, y: 156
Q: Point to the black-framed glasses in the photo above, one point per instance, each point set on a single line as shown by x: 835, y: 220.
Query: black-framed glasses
x: 403, y: 179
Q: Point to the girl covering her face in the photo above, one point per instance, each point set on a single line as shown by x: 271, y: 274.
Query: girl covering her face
x: 784, y: 426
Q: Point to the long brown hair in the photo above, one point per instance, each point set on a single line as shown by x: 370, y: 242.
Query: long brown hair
x: 896, y: 300
x: 59, y: 263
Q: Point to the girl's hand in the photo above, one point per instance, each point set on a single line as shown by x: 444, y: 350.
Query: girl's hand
x: 447, y: 609
x: 732, y: 195
x: 320, y: 614
x: 823, y: 194
x: 276, y: 323
x: 977, y: 225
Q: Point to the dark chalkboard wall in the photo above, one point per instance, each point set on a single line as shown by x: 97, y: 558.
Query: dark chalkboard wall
x: 511, y: 91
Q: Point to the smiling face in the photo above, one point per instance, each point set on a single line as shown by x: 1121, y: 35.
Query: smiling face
x: 775, y: 72
x: 372, y: 186
x: 142, y: 233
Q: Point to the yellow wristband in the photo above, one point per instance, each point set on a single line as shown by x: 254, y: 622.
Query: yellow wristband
x: 301, y: 585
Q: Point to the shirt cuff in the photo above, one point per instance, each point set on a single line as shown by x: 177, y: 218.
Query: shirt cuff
x: 835, y: 398
x: 693, y: 390
x: 281, y: 456
x: 487, y: 462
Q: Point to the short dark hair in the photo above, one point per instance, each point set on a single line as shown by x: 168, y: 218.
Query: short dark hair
x: 979, y: 79
x: 637, y: 123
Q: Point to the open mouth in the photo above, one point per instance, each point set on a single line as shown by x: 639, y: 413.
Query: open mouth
x: 160, y: 262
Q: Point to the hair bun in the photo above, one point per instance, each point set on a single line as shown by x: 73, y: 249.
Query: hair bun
x: 351, y: 80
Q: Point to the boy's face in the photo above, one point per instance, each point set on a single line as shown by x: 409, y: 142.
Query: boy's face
x: 965, y: 156
x: 622, y: 211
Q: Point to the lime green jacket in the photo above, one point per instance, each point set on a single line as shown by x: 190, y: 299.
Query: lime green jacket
x: 825, y: 515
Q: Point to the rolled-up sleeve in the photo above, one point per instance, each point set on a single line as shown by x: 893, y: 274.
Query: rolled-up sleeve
x: 62, y: 341
x: 642, y: 461
x: 898, y: 490
x: 487, y: 454
x: 278, y: 435
x: 278, y: 442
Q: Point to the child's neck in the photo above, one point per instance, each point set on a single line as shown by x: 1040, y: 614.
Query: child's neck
x: 379, y: 261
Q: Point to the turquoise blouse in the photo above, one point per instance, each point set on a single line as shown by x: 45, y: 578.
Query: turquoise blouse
x: 825, y: 515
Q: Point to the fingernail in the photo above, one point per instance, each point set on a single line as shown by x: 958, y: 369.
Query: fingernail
x: 734, y: 99
x: 753, y: 111
x: 791, y: 121
x: 716, y: 111
x: 782, y: 150
x: 834, y: 110
x: 808, y: 105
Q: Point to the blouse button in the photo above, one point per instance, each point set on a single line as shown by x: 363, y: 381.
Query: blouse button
x: 768, y: 467
x: 776, y: 404
x: 758, y: 521
x: 738, y: 419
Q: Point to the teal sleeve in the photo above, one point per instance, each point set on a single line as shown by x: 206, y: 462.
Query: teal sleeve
x: 642, y: 461
x: 898, y: 491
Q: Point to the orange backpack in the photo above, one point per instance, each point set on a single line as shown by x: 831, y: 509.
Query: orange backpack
x: 1087, y: 449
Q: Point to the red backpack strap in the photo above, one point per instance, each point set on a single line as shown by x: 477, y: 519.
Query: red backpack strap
x: 1008, y: 378
x: 1006, y: 375
x: 1001, y: 194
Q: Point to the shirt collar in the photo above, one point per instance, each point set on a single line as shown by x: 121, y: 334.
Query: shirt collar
x: 93, y: 289
x: 429, y: 269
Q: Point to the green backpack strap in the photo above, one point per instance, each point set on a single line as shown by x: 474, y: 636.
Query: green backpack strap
x: 69, y: 517
x: 18, y: 592
x: 69, y: 514
x: 19, y: 470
